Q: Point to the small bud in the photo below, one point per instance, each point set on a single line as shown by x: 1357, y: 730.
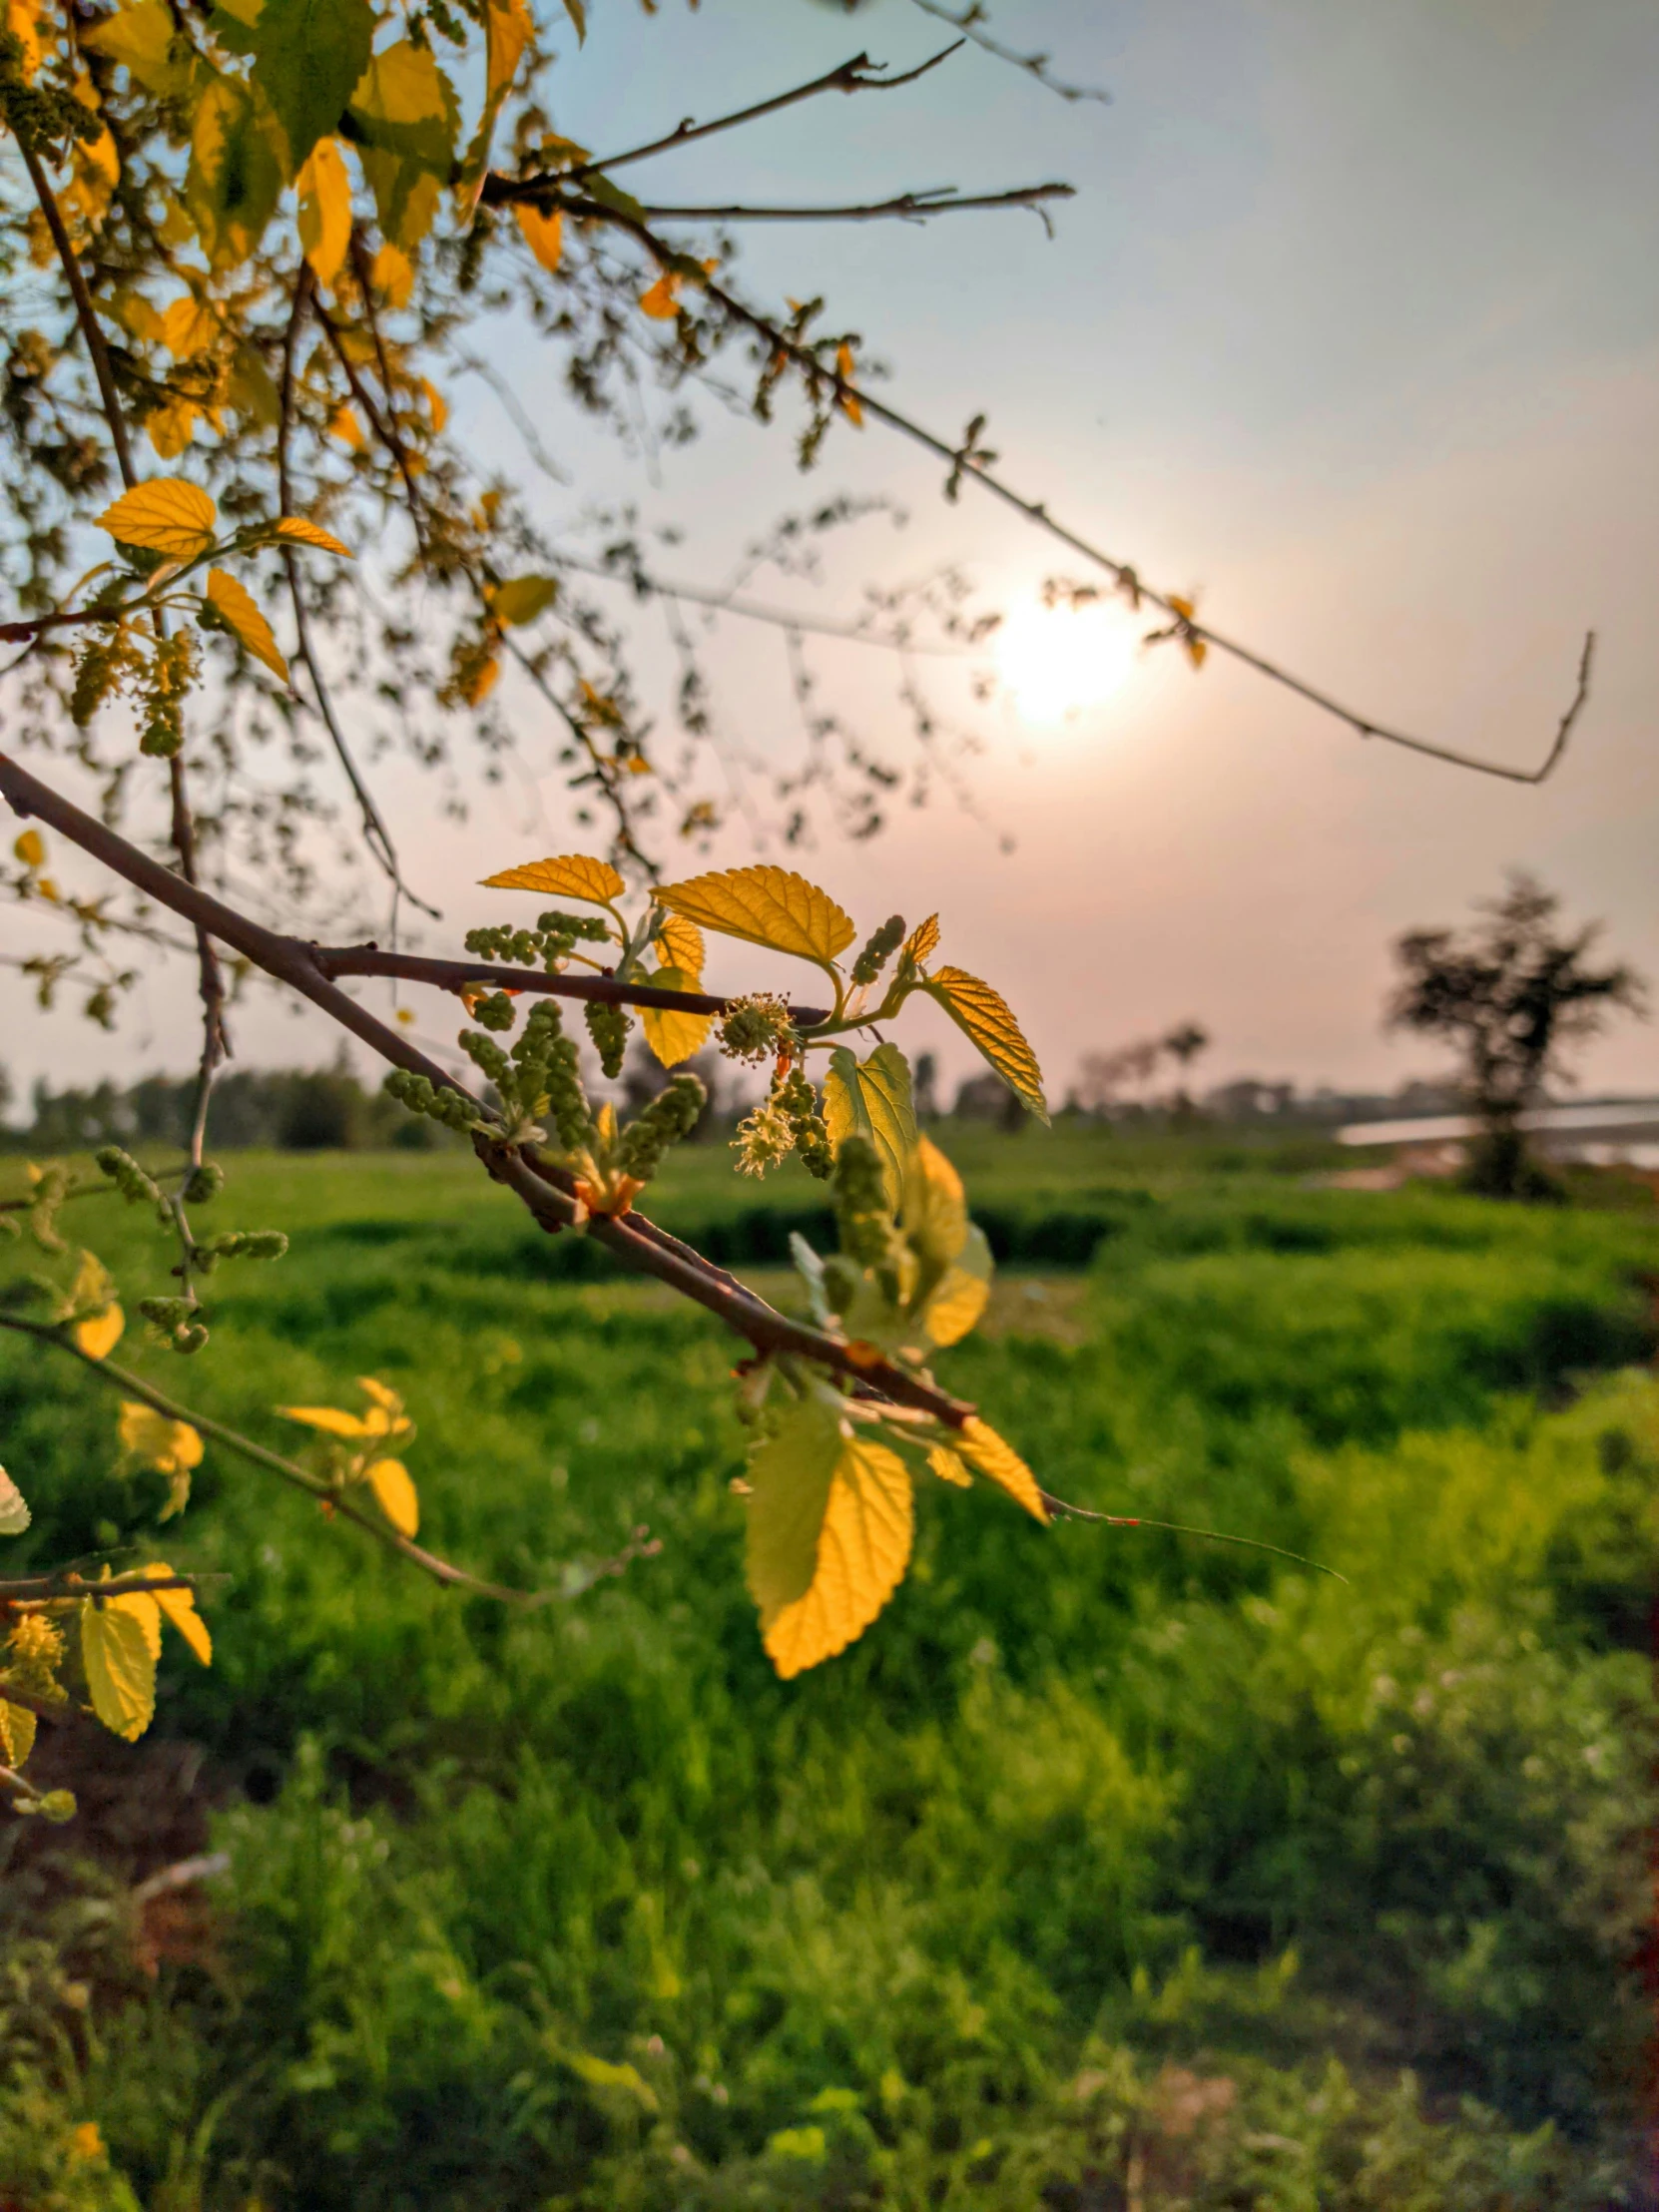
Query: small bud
x: 879, y: 949
x: 203, y: 1183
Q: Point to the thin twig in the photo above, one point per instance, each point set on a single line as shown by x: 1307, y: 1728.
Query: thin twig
x: 853, y: 76
x: 376, y: 835
x: 366, y: 287
x: 971, y: 21
x: 912, y: 207
x: 965, y: 464
x: 1183, y: 1528
x: 273, y: 1463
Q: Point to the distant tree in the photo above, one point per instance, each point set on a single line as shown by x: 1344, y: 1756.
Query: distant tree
x: 1104, y: 1076
x: 927, y: 1086
x: 1511, y: 994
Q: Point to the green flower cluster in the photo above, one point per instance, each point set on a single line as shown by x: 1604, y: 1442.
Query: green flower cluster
x: 135, y: 1186
x: 787, y: 1121
x: 862, y: 1216
x: 670, y: 1115
x: 170, y: 673
x: 879, y: 950
x: 753, y: 1029
x: 608, y: 1026
x: 178, y: 1320
x: 422, y: 1096
x: 553, y: 939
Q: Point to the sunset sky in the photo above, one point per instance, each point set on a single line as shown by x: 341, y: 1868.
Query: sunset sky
x: 1353, y: 326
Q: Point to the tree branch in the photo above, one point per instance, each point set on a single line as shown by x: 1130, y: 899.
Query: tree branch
x: 457, y: 975
x: 547, y: 1191
x: 853, y: 76
x: 965, y: 464
x: 907, y: 206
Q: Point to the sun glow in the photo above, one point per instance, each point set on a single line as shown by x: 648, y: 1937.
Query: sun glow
x: 1056, y: 662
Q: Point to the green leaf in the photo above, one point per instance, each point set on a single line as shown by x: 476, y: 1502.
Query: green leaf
x: 234, y: 178
x: 308, y: 56
x: 407, y: 120
x: 522, y: 598
x: 406, y: 105
x: 790, y: 1473
x: 13, y: 1512
x: 871, y: 1098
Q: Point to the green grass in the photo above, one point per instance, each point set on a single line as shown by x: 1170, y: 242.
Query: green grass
x: 584, y: 1908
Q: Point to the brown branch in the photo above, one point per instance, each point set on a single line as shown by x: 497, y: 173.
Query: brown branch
x: 965, y: 464
x: 33, y: 626
x: 907, y: 206
x: 360, y: 270
x: 33, y: 1588
x: 211, y: 981
x: 546, y: 1191
x: 853, y: 76
x: 459, y: 976
x: 85, y: 314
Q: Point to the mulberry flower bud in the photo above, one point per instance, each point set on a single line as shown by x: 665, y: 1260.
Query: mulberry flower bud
x: 608, y: 1026
x: 879, y: 949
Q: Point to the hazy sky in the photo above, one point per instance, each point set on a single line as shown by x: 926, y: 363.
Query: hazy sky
x: 1354, y: 325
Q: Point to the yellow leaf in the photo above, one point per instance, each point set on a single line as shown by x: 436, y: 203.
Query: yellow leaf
x: 949, y: 1468
x: 570, y: 875
x: 121, y: 1641
x: 324, y: 187
x: 23, y: 20
x: 544, y: 234
x: 986, y: 1017
x: 170, y: 427
x: 17, y: 1732
x: 847, y: 401
x: 864, y: 1547
x: 935, y: 1207
x: 661, y: 301
x: 1182, y: 607
x: 955, y: 1303
x: 508, y: 27
x: 674, y: 1036
x: 300, y: 532
x: 983, y: 1447
x: 180, y: 1608
x: 437, y: 405
x: 171, y: 1447
x: 330, y: 1420
x: 30, y: 848
x: 344, y: 424
x: 680, y: 945
x: 523, y: 598
x: 393, y: 273
x: 383, y: 1394
x: 165, y: 515
x: 872, y: 1099
x: 187, y: 327
x: 237, y: 611
x: 395, y: 1494
x: 13, y: 1512
x: 1197, y: 650
x: 922, y: 942
x: 99, y: 1336
x: 764, y: 906
x: 792, y: 1466
x: 140, y: 36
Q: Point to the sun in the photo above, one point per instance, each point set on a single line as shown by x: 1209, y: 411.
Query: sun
x: 1057, y: 660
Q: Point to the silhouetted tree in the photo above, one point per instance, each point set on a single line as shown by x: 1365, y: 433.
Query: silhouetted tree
x: 1511, y: 994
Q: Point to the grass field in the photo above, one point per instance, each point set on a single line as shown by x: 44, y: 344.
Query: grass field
x: 1112, y: 1869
